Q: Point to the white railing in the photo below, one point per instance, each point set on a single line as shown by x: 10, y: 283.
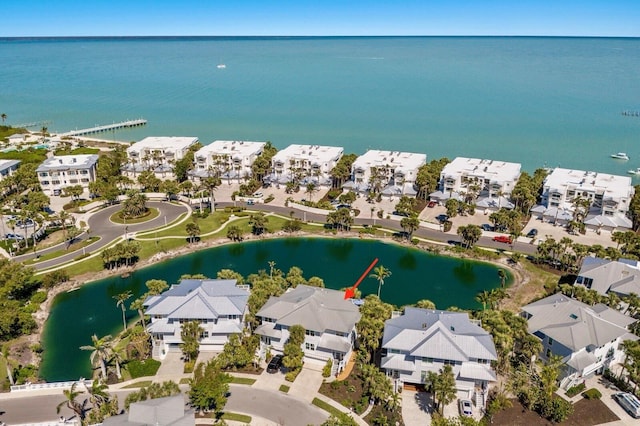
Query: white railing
x: 54, y: 385
x: 53, y: 423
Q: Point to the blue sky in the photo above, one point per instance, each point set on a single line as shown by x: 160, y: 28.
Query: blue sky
x: 327, y: 17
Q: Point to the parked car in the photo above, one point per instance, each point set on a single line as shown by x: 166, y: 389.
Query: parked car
x: 274, y: 364
x: 25, y: 224
x: 502, y: 239
x: 250, y: 202
x: 442, y: 218
x: 533, y: 233
x: 258, y: 195
x: 629, y: 402
x: 487, y: 227
x: 431, y: 204
x: 14, y: 237
x: 403, y: 214
x: 465, y: 407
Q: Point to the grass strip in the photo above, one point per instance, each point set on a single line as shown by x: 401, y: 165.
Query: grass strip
x: 237, y: 417
x: 242, y: 381
x: 136, y: 385
x: 326, y: 407
x: 284, y: 388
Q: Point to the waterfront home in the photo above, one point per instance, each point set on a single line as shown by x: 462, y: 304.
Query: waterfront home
x: 157, y: 154
x: 304, y: 164
x: 61, y: 171
x: 586, y: 337
x: 329, y: 321
x: 218, y: 305
x: 488, y: 183
x: 226, y: 159
x: 390, y: 173
x: 621, y: 276
x: 167, y: 411
x: 608, y: 196
x: 8, y: 168
x: 425, y: 340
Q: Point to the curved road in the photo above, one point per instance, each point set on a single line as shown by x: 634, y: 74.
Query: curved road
x: 275, y: 406
x: 108, y: 231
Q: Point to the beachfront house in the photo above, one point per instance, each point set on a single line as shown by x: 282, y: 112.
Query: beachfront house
x: 303, y: 164
x: 621, y: 276
x: 61, y: 171
x: 586, y: 337
x: 8, y: 168
x: 227, y: 159
x: 608, y: 196
x: 218, y: 305
x: 329, y: 321
x: 486, y: 183
x: 389, y: 173
x: 157, y: 154
x: 424, y: 340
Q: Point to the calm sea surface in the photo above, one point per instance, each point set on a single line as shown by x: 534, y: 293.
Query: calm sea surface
x: 538, y: 101
x: 416, y: 275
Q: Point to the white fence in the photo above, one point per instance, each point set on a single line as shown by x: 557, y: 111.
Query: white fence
x: 54, y: 385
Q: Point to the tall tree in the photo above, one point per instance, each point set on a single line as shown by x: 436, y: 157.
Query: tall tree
x: 380, y: 273
x: 70, y: 402
x: 209, y: 388
x: 190, y: 335
x: 100, y: 350
x: 120, y: 299
x: 193, y: 230
x: 293, y: 354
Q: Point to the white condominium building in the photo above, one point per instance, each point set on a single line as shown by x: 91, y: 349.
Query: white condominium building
x: 157, y: 154
x: 386, y: 172
x: 488, y: 178
x: 227, y: 159
x: 8, y: 167
x: 305, y: 164
x: 609, y: 195
x: 59, y: 172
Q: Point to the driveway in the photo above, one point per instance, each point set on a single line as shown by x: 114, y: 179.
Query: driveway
x: 416, y: 408
x: 307, y: 383
x: 172, y: 365
x: 607, y: 389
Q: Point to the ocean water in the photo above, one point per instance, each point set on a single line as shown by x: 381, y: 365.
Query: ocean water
x: 538, y: 101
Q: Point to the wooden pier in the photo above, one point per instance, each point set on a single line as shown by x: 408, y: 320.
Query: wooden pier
x: 106, y: 128
x: 629, y: 113
x: 32, y: 124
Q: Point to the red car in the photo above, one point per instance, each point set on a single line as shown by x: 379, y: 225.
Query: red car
x: 431, y: 204
x: 502, y: 239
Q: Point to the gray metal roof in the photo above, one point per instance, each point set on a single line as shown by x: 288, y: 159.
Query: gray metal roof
x: 622, y: 277
x: 438, y: 334
x: 575, y: 324
x: 68, y: 162
x: 199, y: 299
x: 168, y: 411
x: 314, y: 308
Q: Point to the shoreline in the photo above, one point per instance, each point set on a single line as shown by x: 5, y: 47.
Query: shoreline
x: 519, y: 277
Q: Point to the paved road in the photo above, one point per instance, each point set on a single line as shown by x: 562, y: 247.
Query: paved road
x: 276, y: 406
x: 426, y: 233
x: 101, y: 226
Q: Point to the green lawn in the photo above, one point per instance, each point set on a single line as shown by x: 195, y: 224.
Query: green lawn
x: 326, y: 407
x: 151, y: 214
x: 284, y: 388
x: 242, y: 381
x: 58, y: 253
x: 237, y: 417
x: 140, y: 384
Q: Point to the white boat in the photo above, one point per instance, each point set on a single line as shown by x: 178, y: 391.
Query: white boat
x: 221, y: 66
x: 620, y: 156
x: 634, y: 172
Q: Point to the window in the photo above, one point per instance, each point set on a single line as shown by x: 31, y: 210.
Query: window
x: 56, y: 182
x: 310, y: 346
x: 204, y: 335
x: 548, y: 353
x: 44, y: 182
x: 427, y: 360
x: 310, y: 333
x: 550, y: 341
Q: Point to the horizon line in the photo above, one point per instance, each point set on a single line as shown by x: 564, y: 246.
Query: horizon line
x: 50, y: 37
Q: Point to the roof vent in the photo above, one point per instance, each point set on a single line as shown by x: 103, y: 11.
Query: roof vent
x: 424, y: 325
x: 452, y: 328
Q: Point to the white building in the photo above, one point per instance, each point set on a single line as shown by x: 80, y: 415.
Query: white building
x: 62, y: 171
x: 425, y: 340
x: 329, y: 321
x: 587, y: 338
x: 218, y: 305
x: 157, y: 154
x: 608, y: 195
x: 227, y: 159
x: 8, y: 168
x: 605, y: 276
x: 490, y: 180
x: 387, y: 172
x: 305, y: 164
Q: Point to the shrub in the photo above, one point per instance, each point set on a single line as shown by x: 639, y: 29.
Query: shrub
x: 592, y: 393
x: 573, y: 391
x: 189, y: 366
x: 335, y: 384
x: 291, y: 375
x: 38, y: 297
x: 447, y: 225
x: 145, y: 368
x: 326, y: 371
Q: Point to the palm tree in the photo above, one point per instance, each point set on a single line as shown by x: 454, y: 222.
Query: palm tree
x: 380, y: 273
x: 97, y: 393
x: 193, y: 230
x: 100, y: 352
x: 4, y: 117
x: 79, y: 408
x: 311, y: 189
x: 484, y: 297
x: 44, y: 132
x: 120, y: 299
x: 137, y: 305
x: 503, y: 277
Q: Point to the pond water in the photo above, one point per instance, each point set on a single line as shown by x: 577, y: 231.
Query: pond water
x: 416, y: 275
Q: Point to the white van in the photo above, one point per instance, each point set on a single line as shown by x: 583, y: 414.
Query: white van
x: 629, y: 402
